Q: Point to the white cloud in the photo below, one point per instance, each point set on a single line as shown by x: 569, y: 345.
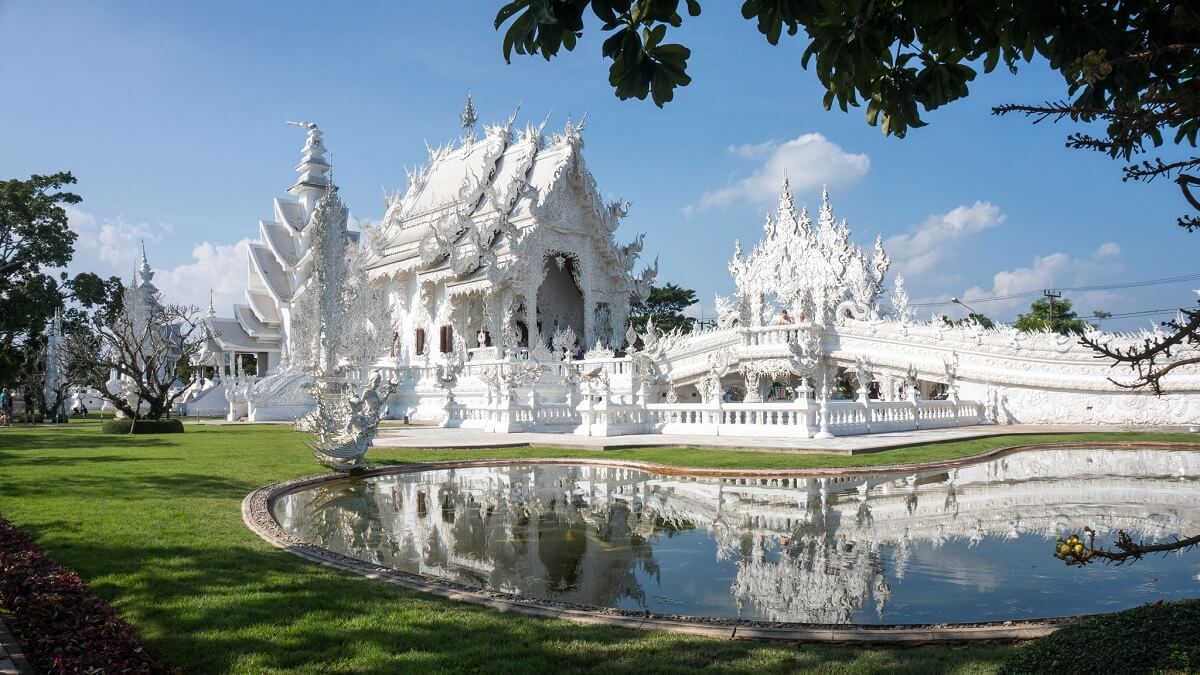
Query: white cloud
x: 111, y: 246
x: 219, y: 267
x: 930, y: 243
x: 1049, y: 271
x: 753, y: 151
x: 808, y: 161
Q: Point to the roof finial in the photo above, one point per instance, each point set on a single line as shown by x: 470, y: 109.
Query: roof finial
x: 468, y: 119
x: 146, y: 273
x: 212, y: 311
x: 313, y: 167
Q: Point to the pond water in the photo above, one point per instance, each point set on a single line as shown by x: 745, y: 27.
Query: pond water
x: 961, y: 545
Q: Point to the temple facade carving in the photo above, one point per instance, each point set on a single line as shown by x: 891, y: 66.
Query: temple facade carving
x: 508, y: 294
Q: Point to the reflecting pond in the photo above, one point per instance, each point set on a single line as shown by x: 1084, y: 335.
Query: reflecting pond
x: 973, y: 543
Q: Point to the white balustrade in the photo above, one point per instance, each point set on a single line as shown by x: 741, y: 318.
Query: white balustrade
x: 801, y: 419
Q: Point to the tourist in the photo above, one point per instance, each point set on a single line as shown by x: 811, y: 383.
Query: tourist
x: 28, y: 398
x: 6, y: 405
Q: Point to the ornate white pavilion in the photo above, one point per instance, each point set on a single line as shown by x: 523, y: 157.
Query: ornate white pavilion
x: 508, y: 297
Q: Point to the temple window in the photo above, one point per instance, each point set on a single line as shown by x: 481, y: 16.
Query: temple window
x: 420, y: 341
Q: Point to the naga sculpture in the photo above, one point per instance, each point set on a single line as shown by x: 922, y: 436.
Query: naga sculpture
x: 344, y: 424
x: 337, y: 335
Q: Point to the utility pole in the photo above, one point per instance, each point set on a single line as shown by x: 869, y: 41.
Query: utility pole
x: 1051, y: 295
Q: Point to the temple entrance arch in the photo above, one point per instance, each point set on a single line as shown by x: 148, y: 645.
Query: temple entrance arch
x: 560, y: 297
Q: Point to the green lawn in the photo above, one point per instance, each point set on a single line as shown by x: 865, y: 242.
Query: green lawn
x: 154, y: 524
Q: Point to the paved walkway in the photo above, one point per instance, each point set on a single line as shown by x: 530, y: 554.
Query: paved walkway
x: 12, y: 662
x: 392, y: 435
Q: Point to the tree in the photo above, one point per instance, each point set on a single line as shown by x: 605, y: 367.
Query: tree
x: 1130, y: 65
x: 1050, y: 314
x: 973, y: 317
x: 665, y: 306
x: 141, y: 343
x: 33, y: 236
x: 33, y: 227
x: 1080, y: 551
x: 1158, y: 355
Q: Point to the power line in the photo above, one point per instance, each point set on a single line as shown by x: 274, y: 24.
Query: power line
x: 1126, y: 315
x: 1101, y: 287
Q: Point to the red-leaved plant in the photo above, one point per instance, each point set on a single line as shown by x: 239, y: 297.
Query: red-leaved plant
x: 62, y: 625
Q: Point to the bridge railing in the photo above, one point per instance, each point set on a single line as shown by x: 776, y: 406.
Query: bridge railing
x: 773, y: 419
x: 803, y: 418
x: 775, y: 335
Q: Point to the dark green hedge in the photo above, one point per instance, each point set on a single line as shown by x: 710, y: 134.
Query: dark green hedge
x: 142, y: 426
x: 1160, y: 638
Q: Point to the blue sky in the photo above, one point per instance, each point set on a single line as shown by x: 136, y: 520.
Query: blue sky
x: 172, y: 117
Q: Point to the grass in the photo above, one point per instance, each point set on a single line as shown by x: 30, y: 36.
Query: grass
x: 153, y: 523
x: 1159, y: 638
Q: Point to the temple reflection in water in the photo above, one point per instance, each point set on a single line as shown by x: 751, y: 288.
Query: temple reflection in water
x: 965, y: 544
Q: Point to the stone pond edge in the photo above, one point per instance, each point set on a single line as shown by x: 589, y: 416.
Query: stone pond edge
x: 257, y: 515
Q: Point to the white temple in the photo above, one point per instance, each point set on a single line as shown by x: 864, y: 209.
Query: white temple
x: 500, y: 260
x: 505, y: 231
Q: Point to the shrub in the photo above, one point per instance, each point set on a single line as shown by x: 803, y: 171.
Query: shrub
x: 1157, y: 638
x: 115, y: 426
x: 62, y: 625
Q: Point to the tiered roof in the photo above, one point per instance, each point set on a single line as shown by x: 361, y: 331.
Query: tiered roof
x: 279, y: 263
x: 475, y: 199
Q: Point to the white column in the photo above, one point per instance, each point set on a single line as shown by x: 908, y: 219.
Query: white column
x: 824, y: 372
x: 531, y: 315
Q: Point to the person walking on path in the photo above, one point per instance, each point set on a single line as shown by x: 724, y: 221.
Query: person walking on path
x: 28, y: 405
x: 6, y: 407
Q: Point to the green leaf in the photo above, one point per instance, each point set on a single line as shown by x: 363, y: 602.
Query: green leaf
x: 873, y: 112
x: 993, y: 57
x: 655, y: 36
x: 611, y: 48
x: 508, y: 10
x: 604, y: 11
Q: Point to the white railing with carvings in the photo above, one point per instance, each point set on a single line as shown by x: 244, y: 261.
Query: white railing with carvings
x: 802, y: 419
x: 774, y: 335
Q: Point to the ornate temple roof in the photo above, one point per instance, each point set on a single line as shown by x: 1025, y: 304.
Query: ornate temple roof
x: 279, y: 263
x: 474, y: 198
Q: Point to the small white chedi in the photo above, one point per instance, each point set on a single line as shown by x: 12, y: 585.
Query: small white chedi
x: 506, y: 295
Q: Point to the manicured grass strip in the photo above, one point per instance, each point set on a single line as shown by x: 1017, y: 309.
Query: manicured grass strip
x: 153, y: 524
